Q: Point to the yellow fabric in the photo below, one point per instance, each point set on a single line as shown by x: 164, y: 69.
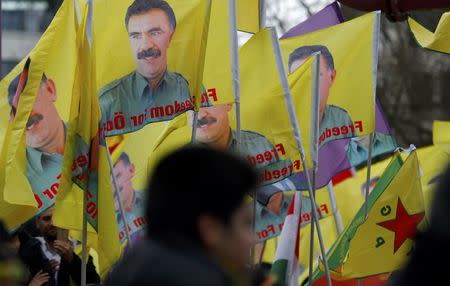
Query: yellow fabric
x: 352, y: 47
x: 57, y: 45
x: 367, y: 255
x: 439, y: 40
x: 248, y: 15
x: 262, y: 94
x: 217, y: 73
x: 186, y: 51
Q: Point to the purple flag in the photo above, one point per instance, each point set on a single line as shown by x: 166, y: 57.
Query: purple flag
x: 327, y: 17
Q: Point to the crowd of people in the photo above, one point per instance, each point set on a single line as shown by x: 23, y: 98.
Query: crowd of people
x: 200, y: 243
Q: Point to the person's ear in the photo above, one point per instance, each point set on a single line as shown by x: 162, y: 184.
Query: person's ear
x: 333, y: 75
x: 171, y: 35
x: 229, y: 106
x: 210, y: 231
x: 50, y: 88
x: 132, y: 169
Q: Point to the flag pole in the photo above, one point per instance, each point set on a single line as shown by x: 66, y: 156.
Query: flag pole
x: 235, y: 83
x: 117, y: 194
x: 235, y: 76
x: 84, y: 241
x: 366, y: 191
x: 311, y: 232
x: 369, y: 165
x: 194, y: 126
x: 297, y: 133
x: 1, y: 54
x: 88, y: 31
x: 314, y: 146
x: 334, y: 208
x: 262, y: 14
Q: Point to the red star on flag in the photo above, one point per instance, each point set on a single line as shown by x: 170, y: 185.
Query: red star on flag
x: 403, y: 225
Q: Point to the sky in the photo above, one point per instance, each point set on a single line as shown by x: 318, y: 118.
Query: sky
x: 291, y: 12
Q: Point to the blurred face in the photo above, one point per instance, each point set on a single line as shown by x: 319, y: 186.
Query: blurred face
x: 326, y: 81
x: 150, y: 34
x: 236, y: 239
x: 213, y: 125
x: 42, y: 126
x: 44, y: 224
x: 275, y: 203
x: 124, y: 175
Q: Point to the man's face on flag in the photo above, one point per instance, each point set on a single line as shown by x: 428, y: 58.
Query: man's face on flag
x: 124, y: 174
x: 213, y: 123
x: 42, y: 125
x: 327, y: 77
x: 150, y: 34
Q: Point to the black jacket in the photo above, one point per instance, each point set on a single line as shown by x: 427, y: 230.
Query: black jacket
x: 174, y: 263
x: 32, y: 256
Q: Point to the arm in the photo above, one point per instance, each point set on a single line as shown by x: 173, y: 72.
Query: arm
x: 74, y: 269
x: 71, y: 264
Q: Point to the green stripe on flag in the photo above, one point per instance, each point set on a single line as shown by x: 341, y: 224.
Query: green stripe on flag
x: 339, y: 250
x: 279, y: 270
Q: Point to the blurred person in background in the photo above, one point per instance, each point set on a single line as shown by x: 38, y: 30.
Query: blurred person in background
x: 427, y: 264
x: 51, y: 259
x: 195, y: 237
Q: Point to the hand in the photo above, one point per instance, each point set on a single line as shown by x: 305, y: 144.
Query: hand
x: 54, y: 264
x: 65, y: 249
x: 39, y: 279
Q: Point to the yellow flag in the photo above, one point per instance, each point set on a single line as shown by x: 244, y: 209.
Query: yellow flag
x: 149, y: 64
x: 262, y: 94
x: 441, y: 133
x: 249, y: 15
x: 269, y: 145
x: 348, y: 75
x: 439, y: 40
x: 433, y: 160
x: 34, y: 119
x: 217, y: 73
x: 217, y: 76
x: 85, y: 159
x: 382, y: 242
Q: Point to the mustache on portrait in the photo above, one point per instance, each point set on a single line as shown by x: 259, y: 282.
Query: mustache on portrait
x: 149, y: 53
x: 206, y: 121
x: 34, y: 119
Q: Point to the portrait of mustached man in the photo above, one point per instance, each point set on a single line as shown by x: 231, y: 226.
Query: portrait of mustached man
x: 45, y: 136
x: 151, y: 90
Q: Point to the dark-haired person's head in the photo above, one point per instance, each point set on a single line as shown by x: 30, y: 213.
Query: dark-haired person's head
x: 44, y: 223
x: 327, y: 69
x: 124, y: 171
x: 44, y: 124
x: 423, y: 268
x: 150, y: 25
x: 199, y: 193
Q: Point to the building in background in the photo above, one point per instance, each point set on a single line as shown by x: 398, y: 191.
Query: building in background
x: 22, y: 24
